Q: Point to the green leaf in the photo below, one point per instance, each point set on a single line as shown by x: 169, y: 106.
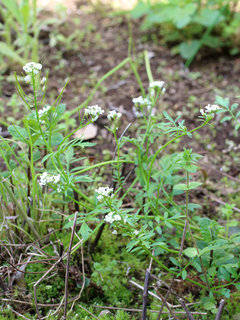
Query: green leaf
x: 188, y: 49
x: 234, y: 106
x: 141, y: 9
x: 238, y: 114
x: 18, y: 133
x: 213, y: 42
x: 180, y: 186
x: 194, y: 185
x: 209, y: 305
x: 197, y: 266
x: 84, y: 178
x: 205, y: 229
x: 208, y: 17
x: 184, y: 15
x: 69, y: 153
x: 190, y: 252
x: 46, y: 157
x: 227, y: 118
x: 57, y: 138
x: 85, y: 231
x: 25, y: 10
x: 175, y: 262
x: 12, y: 7
x: 183, y: 186
x: 184, y: 274
x: 60, y: 109
x: 222, y: 102
x: 7, y: 51
x: 168, y: 117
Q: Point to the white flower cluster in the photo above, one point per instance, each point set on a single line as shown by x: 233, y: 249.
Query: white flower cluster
x: 157, y: 84
x: 32, y: 67
x: 46, y: 178
x: 28, y: 79
x: 43, y: 111
x: 44, y: 79
x: 140, y: 100
x: 94, y: 111
x: 114, y: 115
x: 210, y: 109
x: 111, y: 217
x: 104, y: 192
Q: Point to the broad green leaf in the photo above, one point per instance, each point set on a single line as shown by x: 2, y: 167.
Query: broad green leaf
x: 184, y: 274
x: 180, y: 186
x: 197, y: 266
x: 194, y: 185
x: 164, y: 14
x: 208, y: 17
x: 140, y: 10
x: 5, y: 50
x: 190, y: 252
x: 213, y: 42
x: 209, y: 305
x: 205, y: 229
x: 60, y: 109
x: 184, y: 15
x: 57, y: 138
x: 188, y: 49
x: 183, y: 186
x: 85, y: 231
x: 18, y: 133
x: 175, y: 262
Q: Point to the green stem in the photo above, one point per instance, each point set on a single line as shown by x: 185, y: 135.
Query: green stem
x: 166, y: 144
x: 148, y: 67
x: 100, y: 164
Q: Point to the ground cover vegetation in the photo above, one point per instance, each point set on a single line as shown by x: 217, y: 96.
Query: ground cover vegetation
x: 136, y: 222
x: 191, y: 25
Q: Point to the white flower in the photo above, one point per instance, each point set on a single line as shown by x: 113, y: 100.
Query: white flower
x: 114, y: 115
x: 117, y: 217
x: 56, y: 178
x: 28, y: 79
x: 41, y: 112
x: 111, y: 217
x: 157, y: 84
x: 103, y: 192
x: 44, y: 79
x: 136, y: 232
x: 32, y: 67
x: 210, y: 109
x: 46, y: 178
x: 114, y: 232
x: 94, y: 111
x: 140, y: 100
